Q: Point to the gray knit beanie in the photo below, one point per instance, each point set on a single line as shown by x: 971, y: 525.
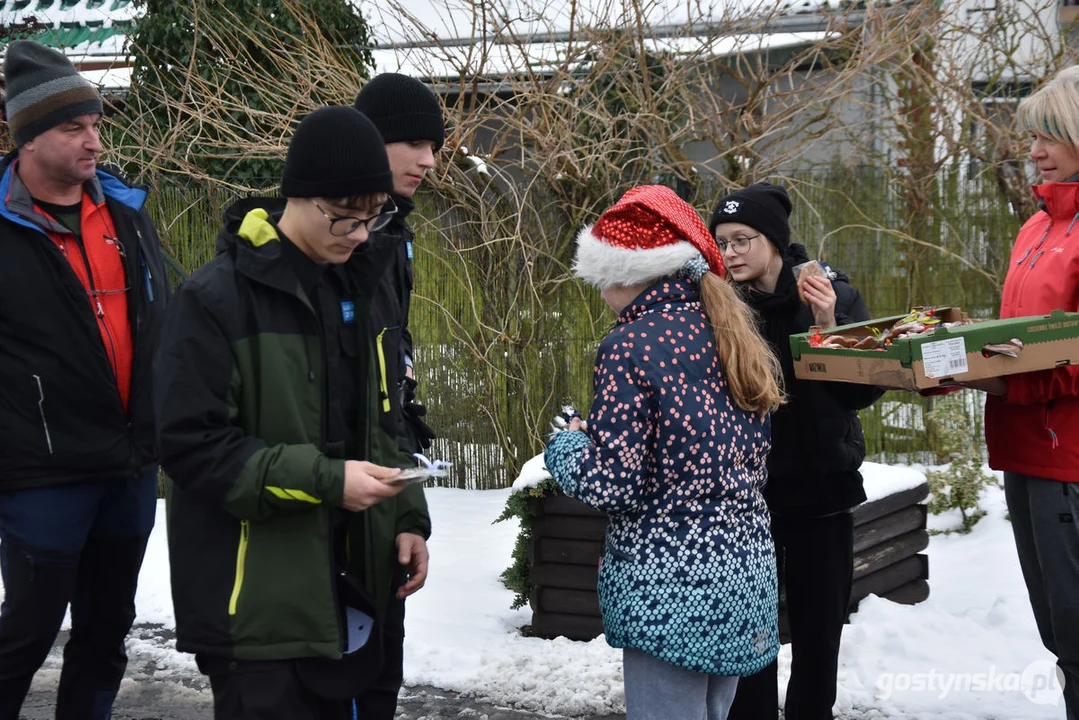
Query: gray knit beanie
x: 42, y: 90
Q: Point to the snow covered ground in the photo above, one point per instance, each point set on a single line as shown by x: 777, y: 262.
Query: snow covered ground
x: 971, y: 651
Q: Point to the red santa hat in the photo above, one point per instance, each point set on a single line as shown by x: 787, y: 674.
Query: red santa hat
x: 650, y: 233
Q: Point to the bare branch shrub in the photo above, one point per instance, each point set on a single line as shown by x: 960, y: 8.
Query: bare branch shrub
x: 550, y: 126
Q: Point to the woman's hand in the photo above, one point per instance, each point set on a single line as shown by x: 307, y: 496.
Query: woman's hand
x: 820, y: 295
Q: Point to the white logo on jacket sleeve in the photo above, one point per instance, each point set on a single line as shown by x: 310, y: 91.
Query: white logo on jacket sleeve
x: 731, y: 207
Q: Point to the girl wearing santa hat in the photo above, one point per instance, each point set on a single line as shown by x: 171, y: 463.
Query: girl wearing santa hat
x: 674, y: 451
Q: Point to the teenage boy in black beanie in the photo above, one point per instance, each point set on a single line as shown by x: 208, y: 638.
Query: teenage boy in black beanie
x: 80, y: 262
x: 409, y: 117
x: 268, y: 393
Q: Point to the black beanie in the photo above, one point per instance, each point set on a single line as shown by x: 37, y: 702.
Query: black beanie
x: 43, y: 89
x: 763, y: 207
x: 402, y: 108
x: 336, y: 152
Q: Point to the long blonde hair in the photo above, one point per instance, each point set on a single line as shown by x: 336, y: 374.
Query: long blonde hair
x: 751, y: 369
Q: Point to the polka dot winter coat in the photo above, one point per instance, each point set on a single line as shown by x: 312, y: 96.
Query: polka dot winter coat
x: 689, y: 573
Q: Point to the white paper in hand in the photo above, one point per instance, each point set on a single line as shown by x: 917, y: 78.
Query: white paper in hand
x: 359, y: 628
x: 427, y: 470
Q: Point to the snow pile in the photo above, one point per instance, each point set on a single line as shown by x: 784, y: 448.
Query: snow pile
x: 532, y: 474
x: 884, y: 480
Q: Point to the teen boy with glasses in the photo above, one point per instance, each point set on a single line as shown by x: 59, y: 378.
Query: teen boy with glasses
x: 270, y: 397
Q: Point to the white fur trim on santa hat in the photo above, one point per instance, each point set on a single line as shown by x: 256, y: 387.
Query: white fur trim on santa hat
x: 601, y: 264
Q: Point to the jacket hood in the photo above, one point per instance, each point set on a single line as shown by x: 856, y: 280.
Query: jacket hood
x: 250, y: 235
x: 1059, y: 199
x: 229, y: 236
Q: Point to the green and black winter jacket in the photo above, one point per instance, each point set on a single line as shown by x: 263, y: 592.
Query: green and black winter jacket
x: 255, y: 495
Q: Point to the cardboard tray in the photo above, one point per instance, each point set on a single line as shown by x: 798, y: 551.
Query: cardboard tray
x: 942, y: 356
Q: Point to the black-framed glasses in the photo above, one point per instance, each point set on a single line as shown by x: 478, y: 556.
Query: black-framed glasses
x: 342, y: 225
x: 739, y: 243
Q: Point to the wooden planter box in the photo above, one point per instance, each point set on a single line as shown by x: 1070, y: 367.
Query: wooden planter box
x: 567, y: 542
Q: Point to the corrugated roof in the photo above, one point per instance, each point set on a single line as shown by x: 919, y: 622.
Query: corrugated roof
x: 86, y: 30
x: 67, y: 12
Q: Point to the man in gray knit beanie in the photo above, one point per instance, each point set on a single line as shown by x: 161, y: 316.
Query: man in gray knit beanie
x: 82, y: 296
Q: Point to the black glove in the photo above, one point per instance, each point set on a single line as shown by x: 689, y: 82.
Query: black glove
x: 408, y: 390
x: 423, y: 432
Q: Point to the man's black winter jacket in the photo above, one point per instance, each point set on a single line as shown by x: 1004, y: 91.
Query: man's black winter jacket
x: 61, y: 416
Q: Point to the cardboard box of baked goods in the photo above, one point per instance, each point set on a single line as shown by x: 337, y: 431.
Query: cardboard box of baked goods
x: 941, y: 355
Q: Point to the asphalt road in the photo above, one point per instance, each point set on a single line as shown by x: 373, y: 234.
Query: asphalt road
x: 153, y: 690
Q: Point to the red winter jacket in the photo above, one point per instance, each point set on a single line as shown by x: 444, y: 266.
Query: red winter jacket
x: 1034, y: 428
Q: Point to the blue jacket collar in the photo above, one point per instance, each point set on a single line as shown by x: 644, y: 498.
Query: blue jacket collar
x: 663, y: 295
x: 17, y: 205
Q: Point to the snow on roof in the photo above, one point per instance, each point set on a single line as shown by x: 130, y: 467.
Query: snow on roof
x: 84, y: 44
x: 498, y: 60
x: 395, y: 23
x: 83, y: 29
x: 68, y: 13
x: 97, y: 30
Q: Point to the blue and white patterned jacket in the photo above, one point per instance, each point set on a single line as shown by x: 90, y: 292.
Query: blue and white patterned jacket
x: 689, y: 571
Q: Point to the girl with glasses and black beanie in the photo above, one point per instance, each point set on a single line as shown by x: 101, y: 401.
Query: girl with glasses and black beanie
x: 817, y: 447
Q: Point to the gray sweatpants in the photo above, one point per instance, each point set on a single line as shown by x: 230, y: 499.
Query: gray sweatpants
x: 1045, y: 520
x: 656, y: 690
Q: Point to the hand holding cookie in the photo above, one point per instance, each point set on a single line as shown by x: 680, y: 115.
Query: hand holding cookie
x: 818, y: 293
x: 804, y: 272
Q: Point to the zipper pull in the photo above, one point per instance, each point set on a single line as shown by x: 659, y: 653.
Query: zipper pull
x: 149, y: 283
x: 100, y: 310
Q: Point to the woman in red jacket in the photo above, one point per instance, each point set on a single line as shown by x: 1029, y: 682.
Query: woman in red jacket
x: 1032, y: 419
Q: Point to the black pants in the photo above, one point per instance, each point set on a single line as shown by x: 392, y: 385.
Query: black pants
x: 379, y: 701
x: 265, y: 690
x: 83, y: 545
x: 815, y: 559
x: 1045, y: 520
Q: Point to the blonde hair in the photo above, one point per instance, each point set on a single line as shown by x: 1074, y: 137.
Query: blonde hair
x: 1053, y: 111
x: 751, y: 369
